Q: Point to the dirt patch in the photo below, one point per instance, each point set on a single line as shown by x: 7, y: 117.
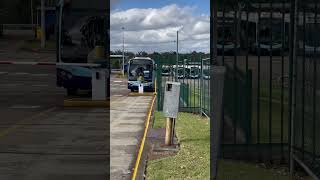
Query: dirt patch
x: 156, y: 138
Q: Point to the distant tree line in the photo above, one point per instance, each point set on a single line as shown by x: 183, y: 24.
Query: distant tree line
x: 169, y: 57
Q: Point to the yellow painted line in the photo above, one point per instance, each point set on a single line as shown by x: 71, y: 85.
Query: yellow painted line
x: 85, y: 103
x: 136, y: 166
x: 18, y: 125
x: 141, y: 94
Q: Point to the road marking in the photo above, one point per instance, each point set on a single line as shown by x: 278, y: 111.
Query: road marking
x: 39, y: 74
x: 117, y: 81
x: 40, y: 85
x: 19, y: 73
x: 11, y: 85
x: 19, y: 123
x: 136, y: 166
x: 118, y: 95
x: 23, y: 107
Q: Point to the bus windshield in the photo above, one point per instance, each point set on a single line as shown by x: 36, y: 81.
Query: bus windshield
x: 224, y: 35
x: 165, y: 70
x: 140, y: 67
x: 81, y: 29
x: 266, y: 31
x: 195, y: 71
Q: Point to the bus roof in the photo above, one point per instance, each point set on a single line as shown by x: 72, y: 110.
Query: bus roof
x: 143, y: 58
x: 117, y: 56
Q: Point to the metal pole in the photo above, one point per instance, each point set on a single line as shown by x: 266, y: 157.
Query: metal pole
x: 31, y: 11
x: 123, y: 51
x: 293, y: 89
x: 177, y: 56
x: 60, y: 29
x: 43, y: 21
x: 216, y: 111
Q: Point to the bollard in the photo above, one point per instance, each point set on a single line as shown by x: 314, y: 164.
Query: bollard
x: 140, y: 88
x: 217, y: 87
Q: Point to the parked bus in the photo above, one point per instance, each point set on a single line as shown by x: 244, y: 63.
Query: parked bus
x: 182, y: 72
x: 80, y: 39
x: 166, y: 70
x: 226, y: 43
x: 141, y: 70
x: 308, y: 35
x: 242, y: 33
x: 206, y: 69
x: 194, y: 71
x: 271, y: 38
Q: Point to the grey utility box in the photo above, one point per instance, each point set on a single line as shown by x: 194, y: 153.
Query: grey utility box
x: 99, y: 84
x: 171, y: 99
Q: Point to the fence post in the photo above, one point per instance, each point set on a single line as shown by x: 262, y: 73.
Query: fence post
x: 217, y: 88
x: 248, y: 105
x: 292, y: 75
x: 201, y: 86
x: 1, y: 30
x: 159, y: 86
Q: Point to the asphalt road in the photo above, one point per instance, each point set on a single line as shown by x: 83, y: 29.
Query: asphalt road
x: 26, y: 90
x: 39, y: 138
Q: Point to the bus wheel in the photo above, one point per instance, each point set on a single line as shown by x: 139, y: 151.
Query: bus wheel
x: 132, y: 90
x: 71, y: 91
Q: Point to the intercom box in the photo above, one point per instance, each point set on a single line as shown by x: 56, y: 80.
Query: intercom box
x: 171, y: 99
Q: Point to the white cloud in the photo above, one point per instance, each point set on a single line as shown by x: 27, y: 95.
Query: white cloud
x: 155, y: 29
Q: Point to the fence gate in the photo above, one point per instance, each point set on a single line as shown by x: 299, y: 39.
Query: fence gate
x: 271, y: 107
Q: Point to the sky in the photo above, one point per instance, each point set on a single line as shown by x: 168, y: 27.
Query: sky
x: 152, y: 25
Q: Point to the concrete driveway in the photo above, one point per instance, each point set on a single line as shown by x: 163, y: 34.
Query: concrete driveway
x: 128, y: 115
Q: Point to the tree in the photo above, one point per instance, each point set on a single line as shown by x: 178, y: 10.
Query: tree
x: 142, y: 54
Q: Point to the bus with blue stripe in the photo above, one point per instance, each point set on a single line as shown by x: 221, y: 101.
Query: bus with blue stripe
x: 81, y: 33
x: 141, y: 70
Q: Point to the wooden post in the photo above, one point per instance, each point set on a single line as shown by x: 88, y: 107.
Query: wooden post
x: 168, y: 138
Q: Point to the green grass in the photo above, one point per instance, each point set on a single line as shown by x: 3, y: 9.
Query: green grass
x: 276, y: 94
x: 275, y: 117
x: 236, y: 170
x: 192, y: 161
x: 275, y: 122
x: 194, y: 97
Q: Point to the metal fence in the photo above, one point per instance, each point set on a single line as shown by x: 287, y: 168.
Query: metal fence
x: 193, y: 74
x: 306, y: 89
x: 271, y: 51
